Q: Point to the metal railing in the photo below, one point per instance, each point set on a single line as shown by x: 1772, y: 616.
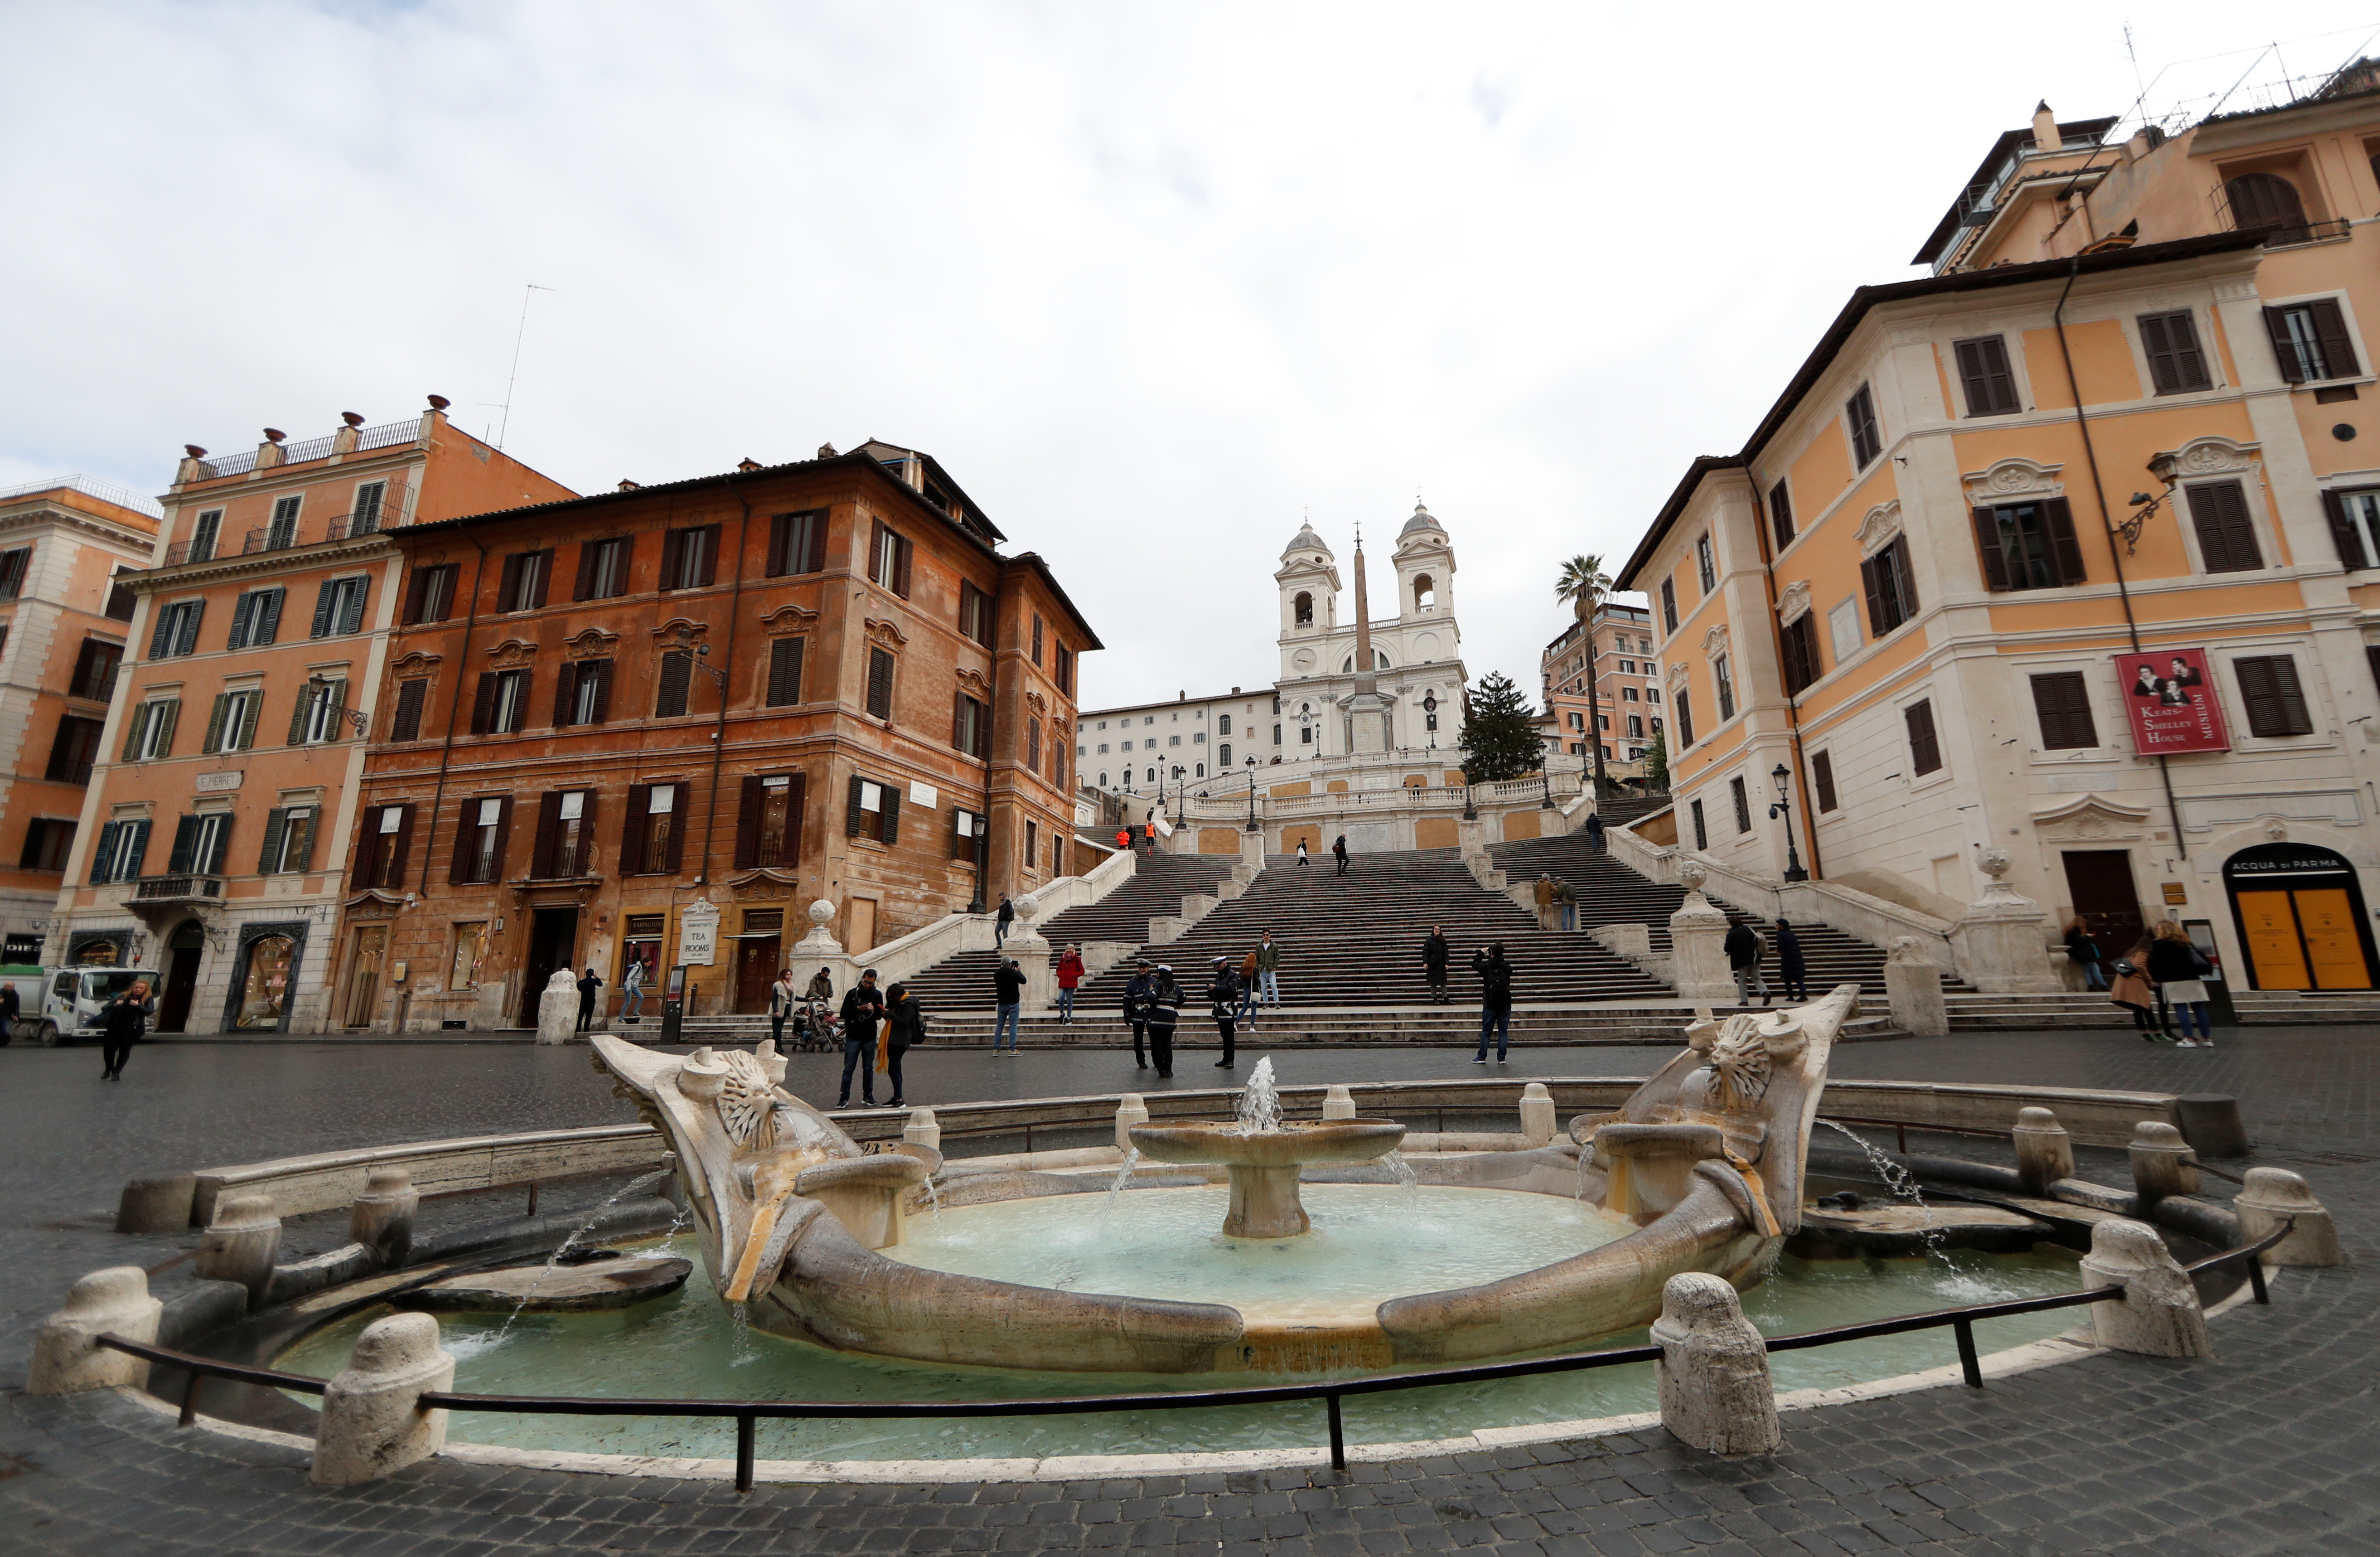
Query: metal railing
x: 186, y: 887
x: 387, y: 435
x: 748, y: 1414
x: 106, y: 491
x: 2306, y: 232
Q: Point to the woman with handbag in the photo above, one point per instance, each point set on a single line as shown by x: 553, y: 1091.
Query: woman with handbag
x: 2176, y: 965
x: 2133, y: 990
x: 904, y: 1024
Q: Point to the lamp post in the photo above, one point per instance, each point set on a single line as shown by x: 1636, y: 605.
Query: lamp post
x: 1429, y: 721
x: 1784, y: 808
x: 1252, y: 796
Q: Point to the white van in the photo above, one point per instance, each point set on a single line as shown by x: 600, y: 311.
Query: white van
x: 70, y: 1000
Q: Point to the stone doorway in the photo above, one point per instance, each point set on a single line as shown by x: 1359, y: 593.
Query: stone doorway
x: 2099, y: 882
x: 755, y: 968
x: 364, y: 961
x: 183, y: 950
x: 553, y: 943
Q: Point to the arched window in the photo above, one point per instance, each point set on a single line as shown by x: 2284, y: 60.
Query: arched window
x: 1305, y: 606
x: 2264, y: 203
x: 1152, y: 776
x: 1424, y: 592
x: 1103, y: 778
x: 1202, y: 771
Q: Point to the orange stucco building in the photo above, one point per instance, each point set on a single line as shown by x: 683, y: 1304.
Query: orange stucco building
x: 703, y: 704
x: 2115, y: 465
x: 214, y: 831
x: 1614, y: 691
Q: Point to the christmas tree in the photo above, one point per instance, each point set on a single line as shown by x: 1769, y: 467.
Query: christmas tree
x: 1499, y: 733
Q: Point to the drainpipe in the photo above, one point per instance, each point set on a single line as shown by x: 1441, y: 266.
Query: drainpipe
x: 719, y: 733
x: 2108, y: 524
x: 1792, y: 713
x: 454, y: 707
x: 983, y: 823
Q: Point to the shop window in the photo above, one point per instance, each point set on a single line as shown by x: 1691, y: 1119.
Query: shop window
x: 264, y: 991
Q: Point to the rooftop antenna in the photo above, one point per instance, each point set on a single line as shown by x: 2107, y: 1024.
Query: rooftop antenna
x: 2134, y: 54
x: 514, y: 377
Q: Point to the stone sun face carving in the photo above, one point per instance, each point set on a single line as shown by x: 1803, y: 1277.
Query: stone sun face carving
x: 747, y: 1105
x: 1741, y: 1058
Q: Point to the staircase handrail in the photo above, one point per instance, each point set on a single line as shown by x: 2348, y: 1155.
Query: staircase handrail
x: 909, y: 955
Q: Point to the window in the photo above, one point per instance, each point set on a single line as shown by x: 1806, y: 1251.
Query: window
x: 785, y: 671
x: 339, y: 607
x: 1173, y: 741
x: 95, y: 672
x: 47, y: 840
x: 1822, y: 779
x: 1702, y: 834
x: 2063, y: 706
x: 2355, y: 526
x: 880, y: 683
x: 120, y: 599
x: 1032, y: 743
x: 199, y: 844
x: 1984, y: 369
x: 430, y: 597
x: 151, y: 733
x: 255, y: 617
x: 74, y: 749
x: 1859, y: 419
x: 2276, y: 705
x: 1925, y: 751
x: 2227, y: 539
x: 521, y: 586
x: 13, y: 568
x: 674, y: 685
x: 289, y: 841
x: 1222, y: 725
x: 502, y: 704
x: 2311, y: 341
x: 1800, y: 639
x: 1686, y: 718
x: 690, y: 558
x: 2029, y: 545
x: 1037, y: 647
x: 470, y: 945
x: 177, y: 630
x: 1127, y: 745
x: 1725, y: 684
x: 1636, y: 726
x: 1425, y: 590
x: 652, y: 841
x: 1306, y: 734
x: 1032, y: 843
x: 231, y: 727
x: 1223, y: 757
x: 967, y: 831
x: 566, y: 834
x: 2170, y: 343
x: 1275, y: 735
x: 975, y: 613
x: 1891, y: 592
x: 205, y: 533
x: 123, y: 849
x: 364, y: 518
x: 405, y: 723
x: 603, y: 568
x: 888, y: 559
x: 479, y: 839
x: 2268, y: 203
x: 1653, y: 695
x: 874, y: 811
x: 582, y: 693
x: 1062, y: 669
x: 769, y: 820
x: 1706, y: 566
x: 970, y: 726
x: 317, y: 716
x: 1301, y: 609
x: 1735, y: 793
x: 796, y: 543
x: 386, y: 834
x: 1577, y: 720
x: 282, y: 530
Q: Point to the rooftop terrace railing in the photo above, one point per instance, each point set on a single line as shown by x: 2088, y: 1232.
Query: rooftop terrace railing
x: 106, y: 491
x: 387, y: 435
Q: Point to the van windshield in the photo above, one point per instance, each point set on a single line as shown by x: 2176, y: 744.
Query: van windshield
x: 107, y: 986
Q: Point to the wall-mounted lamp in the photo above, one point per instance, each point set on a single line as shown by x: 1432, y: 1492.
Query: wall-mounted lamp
x: 2166, y: 469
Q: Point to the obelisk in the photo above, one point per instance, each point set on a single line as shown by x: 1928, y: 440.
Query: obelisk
x: 1368, y: 711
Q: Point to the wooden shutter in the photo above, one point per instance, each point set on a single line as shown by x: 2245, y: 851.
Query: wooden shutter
x: 2372, y: 655
x: 161, y: 640
x: 171, y: 715
x: 1988, y: 542
x: 903, y: 553
x: 780, y: 534
x: 180, y: 859
x: 98, y: 856
x: 1877, y: 625
x: 583, y: 587
x: 815, y: 562
x: 458, y: 869
x: 265, y: 624
x: 1801, y: 654
x: 1984, y: 369
x: 747, y: 818
x: 134, y: 723
x: 351, y: 605
x: 1903, y: 580
x: 544, y: 577
x: 403, y: 841
x: 2330, y: 328
x: 2170, y: 342
x: 406, y: 726
x: 958, y: 722
x: 414, y: 587
x: 243, y: 610
x: 2277, y: 706
x: 880, y: 683
x: 565, y: 685
x: 549, y: 825
x: 2063, y: 544
x: 851, y: 822
x: 1781, y: 515
x: 673, y: 547
x: 187, y: 639
x: 1822, y: 775
x: 2227, y: 541
x: 297, y: 715
x: 785, y: 672
x: 891, y: 815
x: 677, y: 674
x: 2277, y: 325
x: 797, y: 805
x: 213, y: 741
x: 367, y: 829
x: 276, y: 823
x: 876, y: 552
x: 504, y: 830
x: 632, y: 830
x: 508, y: 582
x: 602, y: 672
x: 1925, y: 751
x: 483, y: 706
x: 681, y: 808
x: 2062, y: 703
x: 710, y: 534
x: 2343, y: 533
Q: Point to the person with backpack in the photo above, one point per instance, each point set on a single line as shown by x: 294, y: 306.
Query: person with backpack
x: 2178, y: 969
x: 1743, y: 947
x: 1069, y: 974
x: 1008, y: 996
x: 1433, y: 964
x: 1594, y: 833
x: 1164, y: 1008
x: 2084, y: 953
x: 1792, y: 971
x: 863, y: 1007
x: 122, y: 1022
x: 1544, y: 894
x: 591, y: 991
x: 904, y: 1024
x: 1223, y: 998
x: 1001, y: 925
x: 1495, y: 1001
x: 632, y: 991
x: 1339, y: 850
x: 1136, y: 1009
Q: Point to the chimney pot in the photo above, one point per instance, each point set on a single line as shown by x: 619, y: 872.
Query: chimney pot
x: 274, y: 435
x: 439, y: 402
x: 747, y: 463
x: 351, y: 418
x: 826, y: 451
x: 626, y: 485
x: 194, y: 451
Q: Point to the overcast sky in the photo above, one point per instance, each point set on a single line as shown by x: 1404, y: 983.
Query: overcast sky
x: 1152, y: 282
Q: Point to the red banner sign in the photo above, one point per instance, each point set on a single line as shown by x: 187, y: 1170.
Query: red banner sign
x: 2170, y: 697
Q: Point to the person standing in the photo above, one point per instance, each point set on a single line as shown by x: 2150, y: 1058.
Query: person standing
x: 1124, y: 840
x: 1594, y: 833
x: 862, y: 1009
x: 1433, y: 964
x: 1136, y: 1009
x: 10, y: 1008
x: 632, y: 991
x: 1495, y: 1001
x: 1544, y: 892
x: 1565, y: 905
x: 121, y: 1023
x: 1008, y: 993
x: 904, y: 1024
x: 1069, y: 974
x: 1742, y: 948
x: 1007, y: 917
x: 1164, y: 1007
x: 1224, y: 996
x: 1338, y: 852
x: 590, y: 990
x: 1268, y: 967
x: 2133, y: 990
x: 2175, y: 967
x: 1302, y: 860
x: 2084, y: 953
x: 1792, y: 971
x: 783, y: 999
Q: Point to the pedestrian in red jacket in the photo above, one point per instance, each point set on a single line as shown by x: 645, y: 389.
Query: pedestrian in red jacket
x: 1070, y: 973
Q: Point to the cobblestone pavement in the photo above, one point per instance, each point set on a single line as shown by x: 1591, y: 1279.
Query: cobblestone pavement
x: 2263, y: 1449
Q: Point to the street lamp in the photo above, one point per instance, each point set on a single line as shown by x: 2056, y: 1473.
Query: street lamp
x: 1429, y: 721
x: 1252, y: 796
x: 2166, y: 469
x: 319, y: 691
x: 1784, y: 808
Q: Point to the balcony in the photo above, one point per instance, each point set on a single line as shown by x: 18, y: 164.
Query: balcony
x: 388, y: 514
x: 173, y: 895
x: 2305, y: 232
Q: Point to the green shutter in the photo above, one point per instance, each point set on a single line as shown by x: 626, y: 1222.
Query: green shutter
x: 138, y: 722
x: 248, y: 726
x: 171, y: 715
x: 276, y: 822
x: 213, y: 741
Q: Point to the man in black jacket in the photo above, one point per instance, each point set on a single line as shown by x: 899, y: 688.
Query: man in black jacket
x: 863, y: 1007
x: 1433, y: 964
x: 121, y: 1023
x: 1495, y: 1001
x: 1136, y: 1009
x: 1008, y: 992
x: 1164, y: 1008
x: 1742, y: 948
x: 1223, y: 994
x: 1006, y: 918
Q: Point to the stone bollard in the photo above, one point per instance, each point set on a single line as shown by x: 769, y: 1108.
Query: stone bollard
x: 1913, y: 989
x: 1697, y: 937
x: 2276, y: 1194
x: 67, y: 1353
x: 2210, y: 1122
x: 557, y: 1007
x: 2163, y: 1163
x: 240, y: 1243
x: 1130, y: 1111
x: 2045, y: 1152
x: 381, y: 1218
x: 1536, y: 1114
x: 1338, y: 1104
x: 922, y: 1130
x: 373, y: 1421
x: 1714, y: 1369
x: 2158, y: 1315
x: 157, y: 1205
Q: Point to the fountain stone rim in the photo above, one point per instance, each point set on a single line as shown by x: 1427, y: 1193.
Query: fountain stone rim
x: 1291, y: 1143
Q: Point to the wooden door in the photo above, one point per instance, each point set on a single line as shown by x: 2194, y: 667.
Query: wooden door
x: 756, y: 969
x: 363, y: 976
x: 181, y: 983
x: 2100, y: 883
x: 2333, y: 950
x: 2275, y: 953
x: 859, y: 925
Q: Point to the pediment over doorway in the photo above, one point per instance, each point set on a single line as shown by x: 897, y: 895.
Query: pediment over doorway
x: 2090, y: 819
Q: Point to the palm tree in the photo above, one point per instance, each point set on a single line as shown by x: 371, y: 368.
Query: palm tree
x: 1584, y: 583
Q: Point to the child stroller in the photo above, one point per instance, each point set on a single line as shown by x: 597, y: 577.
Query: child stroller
x: 815, y: 1027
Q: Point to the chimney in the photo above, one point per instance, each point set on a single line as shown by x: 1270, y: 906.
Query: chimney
x: 268, y: 453
x: 626, y: 485
x: 2044, y: 129
x: 191, y: 469
x: 344, y: 440
x: 747, y: 463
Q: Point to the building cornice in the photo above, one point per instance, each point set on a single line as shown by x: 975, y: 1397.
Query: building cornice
x: 258, y: 564
x: 49, y: 516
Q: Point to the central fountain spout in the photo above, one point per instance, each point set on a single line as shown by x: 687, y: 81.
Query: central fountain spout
x: 1263, y: 1157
